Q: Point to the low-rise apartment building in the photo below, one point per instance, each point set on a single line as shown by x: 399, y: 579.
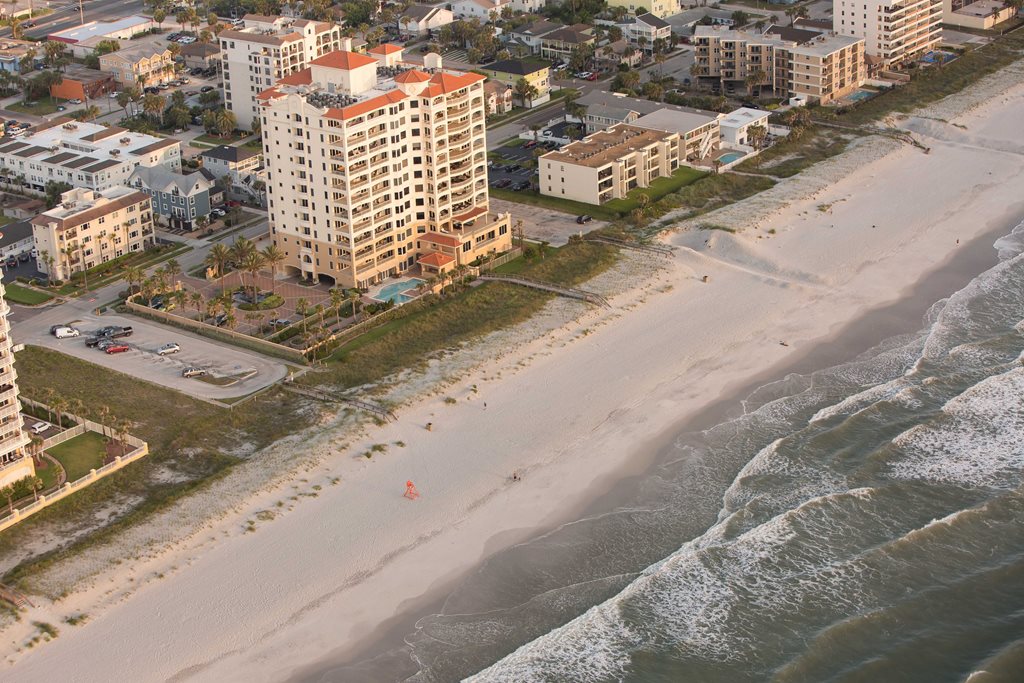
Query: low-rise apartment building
x: 82, y: 83
x: 419, y: 20
x: 643, y: 29
x: 659, y: 8
x: 13, y: 51
x: 737, y: 124
x: 89, y: 228
x: 264, y: 50
x: 178, y: 200
x: 823, y: 68
x: 895, y: 32
x: 365, y: 169
x: 82, y: 154
x: 15, y: 463
x: 201, y: 55
x: 608, y: 164
x: 976, y: 14
x: 558, y: 45
x: 527, y: 38
x: 140, y: 66
x: 511, y: 71
x: 478, y: 9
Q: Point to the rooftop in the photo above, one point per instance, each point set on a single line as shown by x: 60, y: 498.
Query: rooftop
x: 81, y: 206
x: 610, y: 102
x: 604, y: 147
x: 11, y: 48
x: 134, y: 53
x: 797, y: 35
x: 200, y: 49
x: 420, y: 12
x: 98, y: 28
x: 83, y: 74
x: 163, y: 179
x: 743, y: 116
x: 982, y: 8
x: 515, y: 66
x: 230, y: 153
x: 339, y: 59
x: 12, y: 233
x: 672, y: 121
x: 81, y: 145
x: 824, y: 44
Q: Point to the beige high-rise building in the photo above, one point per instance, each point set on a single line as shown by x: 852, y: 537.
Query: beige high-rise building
x: 373, y: 173
x: 89, y: 228
x: 817, y: 67
x: 264, y: 50
x: 894, y: 31
x: 14, y: 461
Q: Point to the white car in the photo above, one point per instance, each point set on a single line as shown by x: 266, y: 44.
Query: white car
x: 39, y: 427
x: 187, y: 40
x: 75, y: 101
x: 168, y: 349
x: 64, y: 332
x: 114, y: 95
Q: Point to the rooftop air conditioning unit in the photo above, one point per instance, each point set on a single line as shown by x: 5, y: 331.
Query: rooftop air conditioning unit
x: 115, y: 152
x: 125, y: 141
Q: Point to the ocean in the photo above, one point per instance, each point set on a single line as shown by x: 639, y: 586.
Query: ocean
x: 862, y: 522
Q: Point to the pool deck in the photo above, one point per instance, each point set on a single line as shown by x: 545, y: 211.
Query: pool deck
x: 376, y: 291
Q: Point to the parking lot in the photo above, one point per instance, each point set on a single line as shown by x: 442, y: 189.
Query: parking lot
x: 245, y: 371
x: 516, y: 164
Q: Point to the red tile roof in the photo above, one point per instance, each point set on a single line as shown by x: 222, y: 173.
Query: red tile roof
x: 412, y: 76
x: 354, y: 110
x: 437, y: 238
x: 436, y: 259
x: 339, y: 59
x: 385, y: 49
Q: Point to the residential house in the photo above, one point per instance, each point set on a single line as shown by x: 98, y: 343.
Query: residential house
x: 643, y: 29
x: 511, y: 71
x: 15, y: 239
x: 140, y: 66
x: 265, y: 49
x: 528, y: 37
x: 659, y: 8
x: 245, y: 168
x: 395, y: 180
x: 559, y: 44
x: 421, y: 20
x: 528, y: 6
x: 177, y: 199
x: 608, y: 164
x: 610, y: 55
x: 89, y: 228
x: 82, y: 154
x: 25, y: 208
x: 737, y: 124
x: 478, y: 9
x: 895, y: 32
x: 13, y: 51
x: 497, y: 97
x: 82, y: 83
x: 15, y: 462
x: 201, y: 55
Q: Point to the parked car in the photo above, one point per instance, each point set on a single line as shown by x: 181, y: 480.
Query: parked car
x: 75, y: 101
x: 521, y: 185
x: 530, y: 144
x: 65, y: 332
x: 220, y: 319
x: 592, y: 77
x: 206, y: 88
x: 513, y: 168
x: 193, y: 372
x: 233, y: 203
x: 61, y: 107
x: 105, y: 343
x: 583, y: 219
x: 113, y: 95
x: 12, y: 261
x: 115, y: 331
x: 583, y: 74
x: 117, y: 347
x: 94, y: 339
x: 280, y: 322
x: 39, y: 427
x: 167, y: 349
x: 503, y: 182
x: 196, y: 71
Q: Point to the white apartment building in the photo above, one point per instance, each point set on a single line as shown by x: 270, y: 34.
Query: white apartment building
x: 894, y: 31
x: 368, y: 173
x: 265, y: 49
x: 15, y: 463
x: 81, y: 154
x: 89, y: 228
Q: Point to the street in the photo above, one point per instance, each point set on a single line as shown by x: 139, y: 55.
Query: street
x: 65, y: 15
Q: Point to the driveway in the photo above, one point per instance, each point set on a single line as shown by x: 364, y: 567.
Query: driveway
x: 141, y: 361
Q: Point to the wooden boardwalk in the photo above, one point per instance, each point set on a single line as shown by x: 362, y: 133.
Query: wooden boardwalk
x: 14, y: 597
x: 329, y: 397
x: 570, y: 292
x: 660, y: 249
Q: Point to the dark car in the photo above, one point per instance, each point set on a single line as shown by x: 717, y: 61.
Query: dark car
x: 521, y: 185
x: 12, y: 262
x: 114, y: 331
x: 220, y: 320
x: 583, y: 219
x: 196, y: 71
x: 513, y: 167
x: 206, y: 88
x: 95, y: 340
x: 105, y: 343
x: 503, y: 182
x: 24, y: 256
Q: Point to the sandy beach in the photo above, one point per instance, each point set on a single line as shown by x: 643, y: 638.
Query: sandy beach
x: 310, y: 567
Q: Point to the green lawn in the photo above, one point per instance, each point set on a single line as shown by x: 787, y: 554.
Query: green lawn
x: 659, y: 187
x: 48, y: 472
x: 4, y: 220
x: 80, y: 454
x: 554, y: 203
x: 44, y: 105
x: 24, y: 295
x: 217, y: 140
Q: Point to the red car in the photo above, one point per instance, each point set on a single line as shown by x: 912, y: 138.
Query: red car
x: 592, y: 77
x: 117, y: 348
x: 232, y: 203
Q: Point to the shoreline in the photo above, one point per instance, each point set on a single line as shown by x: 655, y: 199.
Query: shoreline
x: 618, y: 488
x: 570, y: 415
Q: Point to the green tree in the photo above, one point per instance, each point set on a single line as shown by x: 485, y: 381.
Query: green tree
x: 273, y: 256
x: 153, y: 105
x: 740, y: 18
x: 54, y: 189
x: 226, y: 122
x: 8, y: 493
x: 158, y: 16
x: 525, y: 92
x: 218, y: 259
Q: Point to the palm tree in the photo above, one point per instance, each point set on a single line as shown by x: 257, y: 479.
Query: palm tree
x: 218, y: 259
x: 133, y: 275
x: 153, y: 105
x: 35, y: 447
x: 253, y: 264
x: 8, y: 493
x: 59, y: 405
x: 300, y: 309
x: 37, y: 485
x: 180, y: 297
x: 525, y: 91
x: 273, y: 256
x: 196, y: 297
x: 337, y: 300
x: 173, y: 268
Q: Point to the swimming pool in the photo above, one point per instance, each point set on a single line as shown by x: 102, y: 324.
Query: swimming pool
x: 860, y: 95
x: 730, y: 157
x: 396, y: 291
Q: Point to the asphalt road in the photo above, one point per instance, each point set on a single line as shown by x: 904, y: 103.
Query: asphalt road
x: 65, y: 15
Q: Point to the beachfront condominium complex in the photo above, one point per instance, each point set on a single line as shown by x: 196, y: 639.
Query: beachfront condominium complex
x: 265, y: 49
x: 816, y: 67
x: 14, y: 463
x: 608, y: 164
x: 89, y: 228
x: 894, y: 31
x: 370, y: 166
x: 82, y: 154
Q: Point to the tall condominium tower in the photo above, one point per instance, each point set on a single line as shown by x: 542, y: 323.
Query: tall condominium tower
x: 14, y: 461
x: 377, y: 169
